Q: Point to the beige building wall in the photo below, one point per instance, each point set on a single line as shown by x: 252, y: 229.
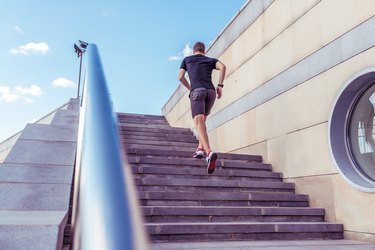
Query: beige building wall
x: 287, y: 61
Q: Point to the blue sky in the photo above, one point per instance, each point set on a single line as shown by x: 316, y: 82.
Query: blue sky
x: 141, y: 44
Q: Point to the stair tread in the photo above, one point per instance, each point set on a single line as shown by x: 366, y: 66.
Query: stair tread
x: 148, y: 116
x: 226, y: 163
x: 215, y: 183
x: 188, y: 153
x: 207, y: 195
x: 244, y: 223
x: 202, y: 172
x: 240, y: 227
x: 214, y: 210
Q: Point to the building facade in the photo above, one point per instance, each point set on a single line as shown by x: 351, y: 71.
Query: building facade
x: 299, y: 91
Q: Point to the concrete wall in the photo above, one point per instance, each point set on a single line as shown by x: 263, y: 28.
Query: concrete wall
x: 287, y: 60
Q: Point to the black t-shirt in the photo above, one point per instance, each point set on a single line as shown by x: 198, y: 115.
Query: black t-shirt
x: 199, y: 68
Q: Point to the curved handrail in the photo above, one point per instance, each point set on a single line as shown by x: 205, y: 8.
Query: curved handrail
x: 106, y: 213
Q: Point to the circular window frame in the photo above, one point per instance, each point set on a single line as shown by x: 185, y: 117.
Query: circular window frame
x: 338, y: 130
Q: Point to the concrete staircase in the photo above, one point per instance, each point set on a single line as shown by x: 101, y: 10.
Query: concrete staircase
x: 35, y: 183
x: 242, y: 200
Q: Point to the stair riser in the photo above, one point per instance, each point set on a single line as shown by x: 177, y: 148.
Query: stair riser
x: 203, y: 167
x: 200, y: 172
x: 213, y: 183
x: 213, y: 218
x: 202, y: 175
x: 223, y: 228
x: 162, y: 147
x: 189, y: 139
x: 142, y: 120
x: 215, y: 196
x: 230, y: 211
x: 182, y: 131
x: 139, y: 116
x: 144, y: 125
x: 226, y: 164
x: 190, y: 160
x: 211, y: 189
x: 244, y: 236
x: 188, y: 154
x: 152, y: 134
x: 159, y: 143
x: 224, y: 203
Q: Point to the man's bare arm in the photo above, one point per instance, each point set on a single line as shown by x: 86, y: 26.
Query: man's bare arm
x: 222, y: 68
x: 182, y: 79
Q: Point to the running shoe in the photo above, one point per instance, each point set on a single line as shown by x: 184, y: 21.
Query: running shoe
x: 199, y: 153
x: 211, y: 162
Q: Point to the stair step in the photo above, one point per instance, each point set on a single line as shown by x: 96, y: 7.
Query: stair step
x: 163, y: 147
x: 189, y: 154
x: 151, y: 171
x: 140, y: 116
x: 220, y: 164
x: 189, y: 184
x: 218, y: 210
x: 142, y: 120
x: 243, y: 230
x: 175, y: 198
x: 149, y: 125
x: 128, y: 120
x: 160, y: 143
x: 170, y: 130
x: 231, y: 214
x: 166, y: 137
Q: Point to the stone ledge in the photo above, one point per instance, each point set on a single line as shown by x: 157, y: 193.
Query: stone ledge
x: 35, y: 197
x: 46, y: 132
x: 34, y: 173
x: 31, y: 229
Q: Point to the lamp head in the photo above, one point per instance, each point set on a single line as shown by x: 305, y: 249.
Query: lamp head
x: 77, y: 50
x: 83, y: 44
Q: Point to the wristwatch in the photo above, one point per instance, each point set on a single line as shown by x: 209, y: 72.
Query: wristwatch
x: 221, y: 85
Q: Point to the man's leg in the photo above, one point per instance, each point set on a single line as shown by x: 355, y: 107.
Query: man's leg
x: 200, y: 124
x: 200, y: 143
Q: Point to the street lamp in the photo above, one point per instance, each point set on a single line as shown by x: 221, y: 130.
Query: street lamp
x: 80, y: 50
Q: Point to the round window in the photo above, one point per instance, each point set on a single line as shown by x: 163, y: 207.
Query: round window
x: 352, y: 137
x: 361, y: 133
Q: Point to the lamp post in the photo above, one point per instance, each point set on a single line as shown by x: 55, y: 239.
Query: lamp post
x: 80, y: 50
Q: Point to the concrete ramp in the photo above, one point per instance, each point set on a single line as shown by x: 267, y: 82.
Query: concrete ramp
x: 35, y: 183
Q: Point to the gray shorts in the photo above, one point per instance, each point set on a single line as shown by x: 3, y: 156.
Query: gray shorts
x: 201, y: 101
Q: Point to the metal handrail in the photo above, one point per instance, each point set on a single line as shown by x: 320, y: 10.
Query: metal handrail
x: 106, y: 213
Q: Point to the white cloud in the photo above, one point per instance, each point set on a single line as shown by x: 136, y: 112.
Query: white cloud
x: 9, y: 95
x: 31, y: 48
x: 63, y: 83
x: 6, y: 95
x: 187, y: 51
x: 33, y: 90
x: 174, y: 58
x: 18, y: 29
